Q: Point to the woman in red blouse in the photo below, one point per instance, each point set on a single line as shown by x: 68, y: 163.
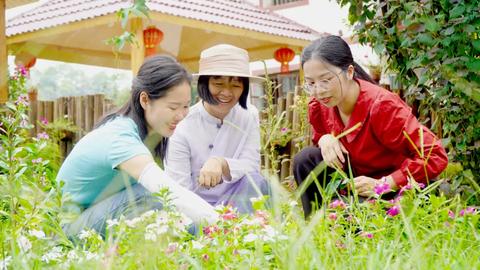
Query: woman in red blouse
x: 387, y: 145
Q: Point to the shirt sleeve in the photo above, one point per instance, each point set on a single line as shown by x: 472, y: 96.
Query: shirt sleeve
x: 315, y: 118
x: 249, y: 157
x: 177, y: 162
x: 126, y: 144
x: 399, y: 130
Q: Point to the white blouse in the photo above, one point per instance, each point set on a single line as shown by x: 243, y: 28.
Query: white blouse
x: 200, y: 136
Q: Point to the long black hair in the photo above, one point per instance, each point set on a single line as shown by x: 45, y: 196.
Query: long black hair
x: 204, y: 91
x: 336, y: 52
x: 157, y: 75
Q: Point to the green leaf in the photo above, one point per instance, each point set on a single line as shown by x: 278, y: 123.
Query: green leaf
x: 476, y: 44
x: 426, y: 38
x: 432, y: 25
x: 450, y: 30
x: 457, y: 11
x: 379, y: 48
x: 474, y: 65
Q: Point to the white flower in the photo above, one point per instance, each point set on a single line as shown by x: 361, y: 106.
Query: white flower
x: 5, y: 263
x: 24, y: 243
x: 150, y: 236
x: 84, y: 234
x: 293, y: 203
x: 91, y: 256
x: 53, y: 255
x: 112, y: 222
x: 250, y: 237
x: 255, y: 199
x: 162, y: 217
x: 197, y: 245
x: 183, y: 221
x: 133, y: 222
x: 37, y: 234
x: 148, y: 214
x: 72, y: 255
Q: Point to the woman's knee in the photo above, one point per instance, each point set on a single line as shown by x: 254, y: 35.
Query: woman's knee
x: 307, y: 155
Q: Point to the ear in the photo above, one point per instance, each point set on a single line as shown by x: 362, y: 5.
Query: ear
x: 144, y: 99
x: 350, y: 72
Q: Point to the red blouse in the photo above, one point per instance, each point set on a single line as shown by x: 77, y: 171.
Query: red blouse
x: 379, y: 147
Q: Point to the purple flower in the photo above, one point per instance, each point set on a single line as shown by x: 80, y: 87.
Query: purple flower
x: 284, y: 130
x: 24, y: 123
x: 205, y: 257
x: 395, y: 210
x: 382, y: 188
x: 421, y: 185
x: 36, y: 161
x: 22, y: 100
x: 43, y: 135
x: 337, y: 204
x: 332, y: 216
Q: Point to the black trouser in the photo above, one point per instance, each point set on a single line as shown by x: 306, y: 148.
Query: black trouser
x: 303, y: 163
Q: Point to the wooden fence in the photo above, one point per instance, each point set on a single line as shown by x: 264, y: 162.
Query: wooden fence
x: 290, y: 105
x: 82, y: 111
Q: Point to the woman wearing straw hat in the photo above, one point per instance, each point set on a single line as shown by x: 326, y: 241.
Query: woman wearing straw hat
x: 215, y: 150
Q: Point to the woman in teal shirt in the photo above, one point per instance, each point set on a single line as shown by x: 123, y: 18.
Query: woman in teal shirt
x: 111, y: 171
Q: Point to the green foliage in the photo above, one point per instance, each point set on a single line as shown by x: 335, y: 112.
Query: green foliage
x: 434, y: 47
x: 138, y: 9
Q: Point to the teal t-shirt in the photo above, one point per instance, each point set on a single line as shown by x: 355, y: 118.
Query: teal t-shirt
x: 90, y: 171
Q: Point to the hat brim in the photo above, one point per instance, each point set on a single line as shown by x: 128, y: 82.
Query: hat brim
x: 253, y: 79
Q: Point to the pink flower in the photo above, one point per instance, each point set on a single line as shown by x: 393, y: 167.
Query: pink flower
x: 43, y: 120
x: 332, y: 216
x: 337, y: 204
x: 23, y: 71
x: 205, y: 257
x: 421, y: 185
x: 395, y: 210
x: 372, y: 201
x: 404, y: 188
x: 43, y: 135
x: 382, y: 188
x: 468, y: 211
x: 171, y: 248
x: 451, y: 214
x: 366, y: 235
x: 284, y: 130
x: 228, y: 215
x: 209, y: 230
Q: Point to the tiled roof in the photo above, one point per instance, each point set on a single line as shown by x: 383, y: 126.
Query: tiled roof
x: 235, y: 13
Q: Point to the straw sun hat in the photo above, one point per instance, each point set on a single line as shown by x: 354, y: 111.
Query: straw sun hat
x: 225, y: 60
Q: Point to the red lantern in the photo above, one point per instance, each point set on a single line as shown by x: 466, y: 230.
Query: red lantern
x: 284, y: 55
x: 152, y: 36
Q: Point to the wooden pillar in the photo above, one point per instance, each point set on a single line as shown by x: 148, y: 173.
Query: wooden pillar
x: 3, y: 56
x: 137, y: 51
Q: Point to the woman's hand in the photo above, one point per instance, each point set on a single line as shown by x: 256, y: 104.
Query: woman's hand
x: 211, y: 172
x: 365, y: 186
x: 332, y: 151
